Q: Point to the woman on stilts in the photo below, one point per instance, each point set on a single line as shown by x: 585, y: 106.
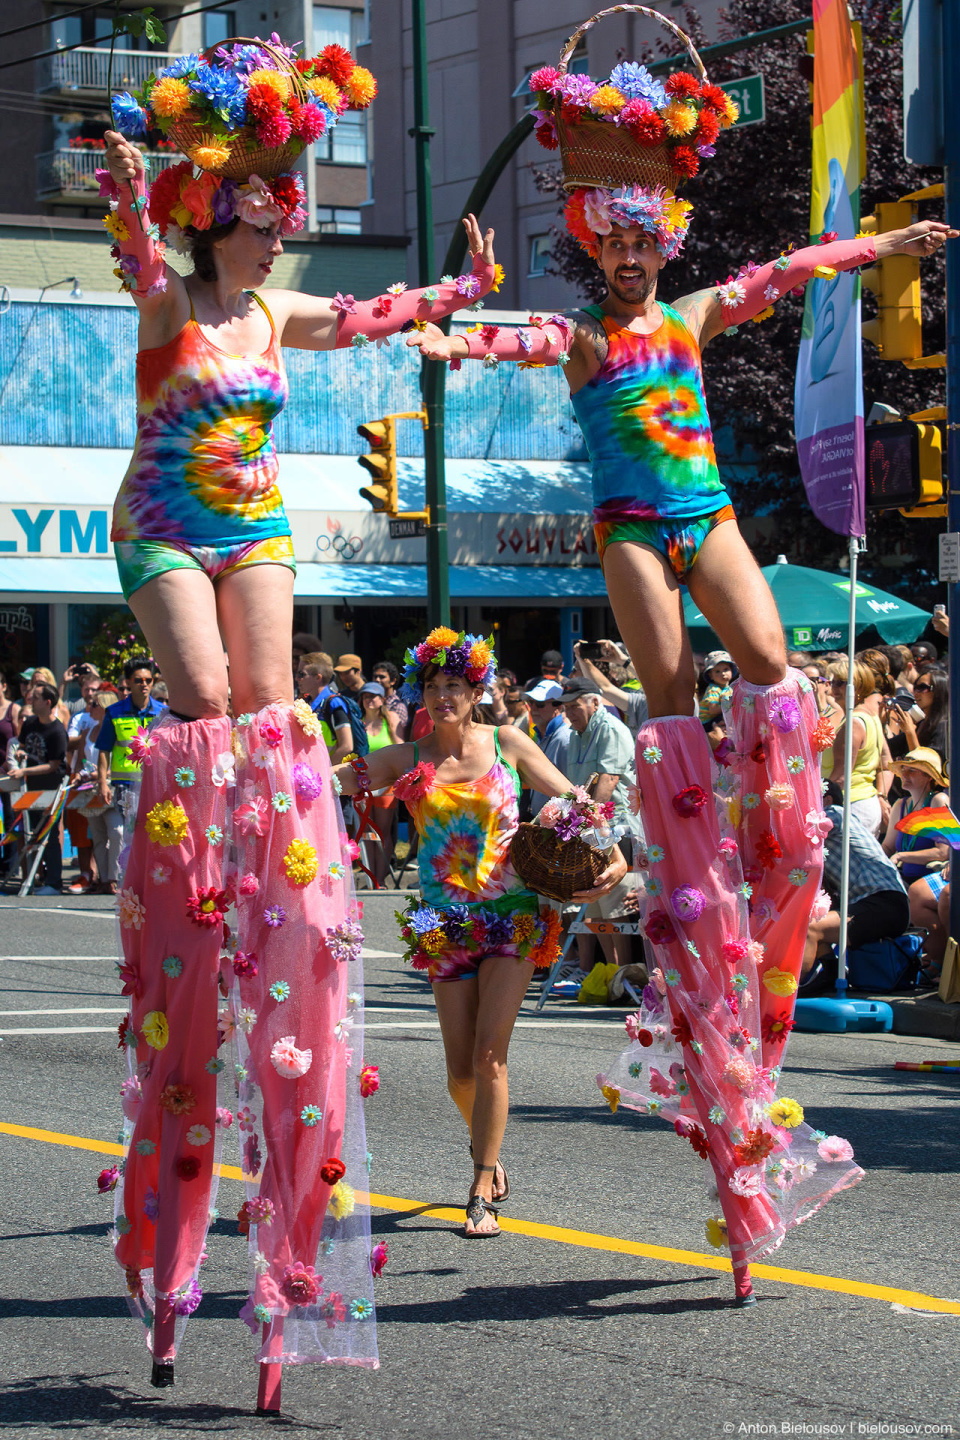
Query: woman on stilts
x: 237, y: 812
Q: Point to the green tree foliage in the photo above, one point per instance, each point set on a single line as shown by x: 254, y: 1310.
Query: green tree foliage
x: 751, y: 201
x: 117, y: 641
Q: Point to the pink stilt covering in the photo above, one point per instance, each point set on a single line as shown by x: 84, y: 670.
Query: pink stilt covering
x: 696, y: 1053
x: 297, y: 1011
x: 170, y: 910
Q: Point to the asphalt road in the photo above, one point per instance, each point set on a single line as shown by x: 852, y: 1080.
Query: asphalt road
x: 524, y: 1336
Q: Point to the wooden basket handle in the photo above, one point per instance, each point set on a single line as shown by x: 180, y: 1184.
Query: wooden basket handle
x: 287, y: 66
x: 681, y: 35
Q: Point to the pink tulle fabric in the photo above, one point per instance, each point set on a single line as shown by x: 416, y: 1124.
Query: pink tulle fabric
x: 170, y: 964
x: 696, y: 1056
x: 769, y: 282
x: 298, y: 1025
x: 364, y: 320
x: 143, y: 249
x: 545, y: 343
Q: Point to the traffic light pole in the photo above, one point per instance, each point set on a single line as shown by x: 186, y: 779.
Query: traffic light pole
x: 951, y: 137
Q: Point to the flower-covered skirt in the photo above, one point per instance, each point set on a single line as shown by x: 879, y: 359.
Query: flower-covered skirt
x: 450, y: 942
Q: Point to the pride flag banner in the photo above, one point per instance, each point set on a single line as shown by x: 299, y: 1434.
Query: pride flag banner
x: 828, y: 394
x: 937, y: 821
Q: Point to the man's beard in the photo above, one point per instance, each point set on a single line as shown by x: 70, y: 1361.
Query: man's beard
x: 638, y: 297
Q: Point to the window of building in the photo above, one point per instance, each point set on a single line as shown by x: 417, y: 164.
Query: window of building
x: 347, y: 142
x: 338, y: 25
x: 539, y: 254
x: 342, y: 25
x: 218, y: 25
x: 333, y: 220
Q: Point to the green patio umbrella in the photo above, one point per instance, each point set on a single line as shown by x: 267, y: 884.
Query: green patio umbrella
x: 814, y: 608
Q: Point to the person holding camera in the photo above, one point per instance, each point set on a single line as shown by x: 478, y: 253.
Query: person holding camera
x: 41, y: 766
x: 85, y: 675
x: 632, y: 704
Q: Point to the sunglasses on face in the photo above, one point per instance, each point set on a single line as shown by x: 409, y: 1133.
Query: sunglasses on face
x: 923, y: 689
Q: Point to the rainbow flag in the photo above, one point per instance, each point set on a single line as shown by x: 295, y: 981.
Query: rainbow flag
x: 937, y: 821
x: 828, y: 393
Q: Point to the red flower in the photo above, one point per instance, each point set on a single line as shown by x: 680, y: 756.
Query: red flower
x: 828, y: 236
x: 695, y: 1135
x: 684, y: 160
x: 645, y: 125
x: 644, y: 1038
x: 332, y: 1171
x: 822, y: 736
x: 263, y: 103
x: 107, y: 1180
x: 713, y: 96
x: 759, y: 753
x: 207, y: 906
x: 768, y: 849
x: 188, y: 1167
x: 756, y: 1147
x: 369, y: 1080
x: 659, y: 928
x: 682, y: 85
x: 130, y: 976
x: 286, y: 192
x: 165, y: 192
x: 245, y: 964
x: 689, y: 801
x: 178, y: 1099
x: 708, y: 127
x: 336, y: 64
x: 124, y: 1029
x: 776, y: 1028
x: 300, y: 1284
x: 680, y: 1030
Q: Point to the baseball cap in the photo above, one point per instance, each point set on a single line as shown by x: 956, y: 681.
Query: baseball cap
x: 551, y: 660
x: 576, y: 686
x: 545, y: 690
x: 717, y: 657
x: 349, y: 662
x: 373, y: 687
x: 27, y: 674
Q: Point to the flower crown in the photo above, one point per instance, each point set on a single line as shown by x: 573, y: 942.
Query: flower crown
x: 682, y: 114
x: 589, y: 214
x: 248, y: 94
x: 180, y: 197
x: 456, y: 654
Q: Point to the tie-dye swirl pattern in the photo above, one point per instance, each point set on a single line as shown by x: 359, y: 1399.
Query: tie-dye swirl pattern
x: 465, y: 833
x: 204, y: 466
x: 644, y: 419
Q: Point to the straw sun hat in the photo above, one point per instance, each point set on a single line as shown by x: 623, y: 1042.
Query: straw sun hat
x: 923, y: 758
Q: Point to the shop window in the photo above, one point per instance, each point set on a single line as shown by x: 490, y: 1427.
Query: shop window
x: 539, y: 254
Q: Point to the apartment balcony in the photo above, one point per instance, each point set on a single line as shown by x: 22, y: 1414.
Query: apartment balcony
x: 68, y: 176
x: 84, y: 71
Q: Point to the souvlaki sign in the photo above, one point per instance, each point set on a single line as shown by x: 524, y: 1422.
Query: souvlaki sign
x: 474, y: 539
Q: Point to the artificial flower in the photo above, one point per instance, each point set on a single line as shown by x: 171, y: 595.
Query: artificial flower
x: 716, y: 1232
x: 738, y: 1072
x: 689, y: 801
x: 178, y: 1099
x: 834, y: 1148
x: 155, y: 1029
x: 187, y: 1168
x: 798, y: 876
x: 307, y: 782
x: 768, y: 849
x: 198, y: 1135
x: 687, y: 903
x: 130, y: 909
x: 300, y: 1284
x: 755, y: 1146
x: 288, y: 1060
x: 160, y: 874
x: 746, y: 1181
x: 280, y: 991
x: 184, y: 777
x: 611, y: 1094
x: 780, y: 797
x: 309, y: 722
x: 214, y: 834
x: 300, y: 862
x: 335, y: 870
x: 145, y: 1147
x: 214, y: 1065
x: 659, y: 928
x: 281, y: 802
x: 206, y: 907
x: 246, y: 1019
x: 360, y: 1309
x: 369, y: 1080
x: 342, y: 1201
x: 332, y: 1170
x: 274, y: 916
x: 107, y: 1180
x: 172, y: 967
x: 166, y: 823
x: 211, y: 152
x: 249, y: 884
x: 787, y: 1113
x: 311, y: 1115
x: 378, y: 1258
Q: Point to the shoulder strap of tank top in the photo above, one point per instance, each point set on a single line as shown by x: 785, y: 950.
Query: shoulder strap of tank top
x: 193, y: 313
x: 416, y: 755
x: 263, y: 306
x: 496, y: 742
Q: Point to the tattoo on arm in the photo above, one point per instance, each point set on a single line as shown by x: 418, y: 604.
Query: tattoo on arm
x: 700, y: 312
x: 590, y: 334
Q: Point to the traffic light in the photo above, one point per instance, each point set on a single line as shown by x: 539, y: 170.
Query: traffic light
x: 905, y: 466
x: 895, y: 280
x: 381, y: 436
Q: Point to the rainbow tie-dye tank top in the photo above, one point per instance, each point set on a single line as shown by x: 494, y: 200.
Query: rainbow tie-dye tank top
x: 204, y: 466
x: 645, y: 423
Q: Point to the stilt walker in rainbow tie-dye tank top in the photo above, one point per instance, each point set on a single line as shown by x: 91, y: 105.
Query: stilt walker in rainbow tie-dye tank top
x: 237, y: 813
x: 734, y: 855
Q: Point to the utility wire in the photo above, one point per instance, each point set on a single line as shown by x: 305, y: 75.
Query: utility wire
x: 62, y: 49
x: 59, y: 15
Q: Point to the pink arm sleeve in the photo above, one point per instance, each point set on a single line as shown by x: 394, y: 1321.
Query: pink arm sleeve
x: 748, y: 294
x: 359, y: 322
x: 137, y: 248
x: 543, y: 342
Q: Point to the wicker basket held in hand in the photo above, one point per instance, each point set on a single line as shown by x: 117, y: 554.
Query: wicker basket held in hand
x: 594, y: 153
x: 554, y: 867
x: 247, y: 155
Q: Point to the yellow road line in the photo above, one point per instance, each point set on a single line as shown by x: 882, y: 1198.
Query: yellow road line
x: 611, y: 1244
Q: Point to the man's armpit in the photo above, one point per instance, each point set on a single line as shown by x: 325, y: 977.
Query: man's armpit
x: 697, y: 311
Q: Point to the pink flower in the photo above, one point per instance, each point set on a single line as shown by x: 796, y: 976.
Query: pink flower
x: 687, y: 903
x: 659, y: 928
x: 272, y: 734
x: 780, y: 797
x: 632, y: 1023
x: 546, y: 78
x: 821, y: 906
x: 249, y: 885
x: 689, y: 801
x: 378, y: 1258
x: 140, y: 747
x: 756, y: 951
x: 257, y: 206
x: 835, y: 1148
x: 727, y: 848
x: 738, y: 1072
x: 659, y: 1085
x: 658, y: 980
x: 300, y: 1284
x: 252, y: 818
x: 245, y: 964
x: 307, y: 782
x: 747, y: 1181
x: 549, y: 815
x: 369, y: 1080
x: 224, y: 1118
x: 817, y: 826
x: 734, y: 951
x: 467, y: 286
x: 785, y: 714
x: 131, y: 1097
x: 288, y: 1061
x: 107, y: 1180
x: 343, y: 304
x: 351, y: 849
x: 415, y: 784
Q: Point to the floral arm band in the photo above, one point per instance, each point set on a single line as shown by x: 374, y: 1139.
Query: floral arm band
x: 361, y: 321
x: 359, y: 767
x: 543, y: 342
x: 749, y: 295
x: 137, y: 248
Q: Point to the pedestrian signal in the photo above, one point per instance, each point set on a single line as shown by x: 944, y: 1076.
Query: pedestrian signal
x: 904, y: 469
x: 380, y: 435
x: 895, y: 280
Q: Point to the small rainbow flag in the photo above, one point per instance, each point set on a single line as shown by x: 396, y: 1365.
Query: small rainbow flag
x: 933, y: 820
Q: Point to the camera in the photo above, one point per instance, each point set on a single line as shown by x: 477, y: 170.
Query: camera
x: 590, y: 650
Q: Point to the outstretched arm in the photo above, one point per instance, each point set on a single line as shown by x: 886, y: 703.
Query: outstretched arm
x: 137, y: 247
x: 747, y: 295
x: 542, y: 342
x: 313, y: 323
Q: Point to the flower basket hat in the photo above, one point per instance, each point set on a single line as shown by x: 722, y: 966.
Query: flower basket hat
x: 469, y: 656
x: 628, y: 145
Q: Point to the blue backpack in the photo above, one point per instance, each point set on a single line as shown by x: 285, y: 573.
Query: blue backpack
x: 361, y: 741
x: 886, y: 964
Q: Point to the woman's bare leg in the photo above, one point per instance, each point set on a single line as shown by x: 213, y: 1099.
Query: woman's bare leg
x: 645, y: 598
x: 178, y: 615
x: 503, y: 982
x: 255, y: 611
x: 457, y: 1002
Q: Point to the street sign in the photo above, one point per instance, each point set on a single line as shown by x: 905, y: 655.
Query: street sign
x: 950, y: 558
x: 748, y: 93
x: 407, y: 529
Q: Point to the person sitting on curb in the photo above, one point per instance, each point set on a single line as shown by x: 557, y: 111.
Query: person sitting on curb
x: 921, y: 776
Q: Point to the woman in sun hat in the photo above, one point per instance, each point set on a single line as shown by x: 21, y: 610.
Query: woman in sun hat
x: 922, y: 862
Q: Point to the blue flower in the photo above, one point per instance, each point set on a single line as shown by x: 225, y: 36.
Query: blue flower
x: 214, y: 1065
x: 172, y: 966
x: 456, y: 924
x: 424, y: 919
x: 499, y: 930
x: 224, y: 93
x: 280, y: 990
x: 636, y: 82
x: 180, y: 67
x: 311, y: 1114
x: 129, y: 117
x: 361, y: 1309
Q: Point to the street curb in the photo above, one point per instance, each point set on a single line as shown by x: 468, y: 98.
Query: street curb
x: 924, y: 1015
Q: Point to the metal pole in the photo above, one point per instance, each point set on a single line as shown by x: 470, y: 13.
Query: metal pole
x: 951, y: 140
x: 853, y: 551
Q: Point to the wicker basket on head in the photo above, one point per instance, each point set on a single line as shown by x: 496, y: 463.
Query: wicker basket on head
x: 554, y: 867
x: 594, y: 153
x: 247, y: 155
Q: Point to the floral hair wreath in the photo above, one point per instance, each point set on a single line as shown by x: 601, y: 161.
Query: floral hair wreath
x: 469, y: 656
x: 590, y: 214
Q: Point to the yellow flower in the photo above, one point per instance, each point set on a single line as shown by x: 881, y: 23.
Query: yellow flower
x: 170, y: 98
x: 499, y: 275
x: 342, y: 1200
x: 716, y: 1233
x: 180, y: 213
x: 607, y: 100
x: 779, y: 982
x: 611, y: 1094
x: 210, y: 153
x: 734, y: 810
x: 167, y: 823
x: 274, y: 78
x: 442, y: 637
x: 300, y: 862
x: 309, y: 722
x: 116, y: 226
x: 825, y: 272
x: 679, y: 119
x: 731, y: 113
x: 480, y: 655
x: 530, y: 365
x: 677, y: 215
x: 433, y: 941
x: 523, y: 928
x: 325, y: 90
x: 762, y: 315
x: 155, y: 1030
x: 787, y: 1113
x: 361, y: 88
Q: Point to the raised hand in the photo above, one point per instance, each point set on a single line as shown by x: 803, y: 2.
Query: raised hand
x: 124, y: 160
x: 476, y: 242
x: 922, y: 239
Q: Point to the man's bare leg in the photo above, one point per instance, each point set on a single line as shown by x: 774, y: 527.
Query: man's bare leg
x: 645, y: 598
x: 728, y: 586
